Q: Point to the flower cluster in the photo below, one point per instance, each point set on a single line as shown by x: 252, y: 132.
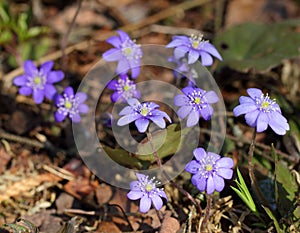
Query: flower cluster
x: 261, y: 111
x: 146, y: 190
x: 40, y: 83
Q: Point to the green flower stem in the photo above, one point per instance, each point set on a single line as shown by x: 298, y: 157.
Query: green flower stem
x: 158, y: 161
x: 251, y: 173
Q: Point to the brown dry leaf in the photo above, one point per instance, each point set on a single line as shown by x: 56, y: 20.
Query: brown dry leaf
x: 79, y: 188
x: 64, y: 201
x: 108, y: 227
x: 4, y: 159
x: 169, y: 225
x: 27, y: 184
x: 103, y: 193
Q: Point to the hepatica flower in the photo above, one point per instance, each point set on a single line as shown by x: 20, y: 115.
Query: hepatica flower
x: 195, y: 102
x: 38, y: 82
x: 142, y: 113
x: 209, y: 170
x: 124, y: 89
x: 126, y: 52
x: 146, y: 190
x: 195, y: 47
x: 261, y: 111
x: 70, y: 105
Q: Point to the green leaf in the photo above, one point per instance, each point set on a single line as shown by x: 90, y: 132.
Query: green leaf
x: 123, y: 157
x: 166, y: 142
x: 285, y: 186
x: 243, y: 192
x: 258, y: 46
x: 270, y: 214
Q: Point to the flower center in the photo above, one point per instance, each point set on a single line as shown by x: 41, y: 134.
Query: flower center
x: 68, y: 104
x: 126, y: 87
x: 266, y: 104
x: 148, y: 187
x: 196, y: 41
x: 208, y: 167
x: 144, y: 111
x: 197, y: 100
x: 127, y: 51
x: 37, y: 80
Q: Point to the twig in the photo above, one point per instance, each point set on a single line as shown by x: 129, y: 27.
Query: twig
x: 64, y: 40
x: 15, y: 138
x: 251, y: 173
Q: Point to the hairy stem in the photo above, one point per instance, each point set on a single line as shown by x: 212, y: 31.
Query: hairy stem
x: 158, y: 161
x: 206, y: 214
x: 251, y: 172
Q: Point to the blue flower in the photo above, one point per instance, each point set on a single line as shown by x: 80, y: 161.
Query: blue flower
x: 126, y: 52
x: 195, y: 47
x: 38, y: 82
x: 194, y: 103
x: 70, y: 105
x: 124, y: 89
x: 142, y: 113
x: 146, y: 190
x: 261, y: 111
x: 184, y: 70
x: 209, y: 170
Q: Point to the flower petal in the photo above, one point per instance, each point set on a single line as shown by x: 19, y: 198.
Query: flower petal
x: 30, y: 68
x: 181, y: 100
x: 69, y: 91
x: 201, y: 183
x: 127, y: 110
x: 219, y: 183
x: 244, y: 108
x: 180, y: 51
x: 192, y: 167
x: 206, y: 59
x: 225, y: 162
x: 75, y: 118
x: 145, y: 204
x: 159, y: 121
x: 262, y: 122
x: 199, y: 153
x: 184, y: 111
x: 254, y: 92
x: 112, y: 55
x: 20, y: 80
x: 135, y: 71
x: 193, y: 56
x: 46, y: 67
x: 211, y: 97
x: 133, y: 102
x: 59, y: 117
x: 123, y: 66
x: 81, y: 97
x: 115, y: 41
x: 210, y: 187
x: 278, y: 123
x: 142, y: 124
x: 49, y: 91
x: 25, y: 91
x: 116, y: 96
x: 127, y: 119
x: 226, y: 173
x: 251, y: 118
x: 134, y: 195
x: 207, y: 112
x: 209, y: 48
x: 83, y: 108
x: 193, y: 119
x: 134, y: 185
x: 157, y: 202
x: 123, y: 35
x: 38, y: 96
x: 55, y: 76
x: 246, y: 99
